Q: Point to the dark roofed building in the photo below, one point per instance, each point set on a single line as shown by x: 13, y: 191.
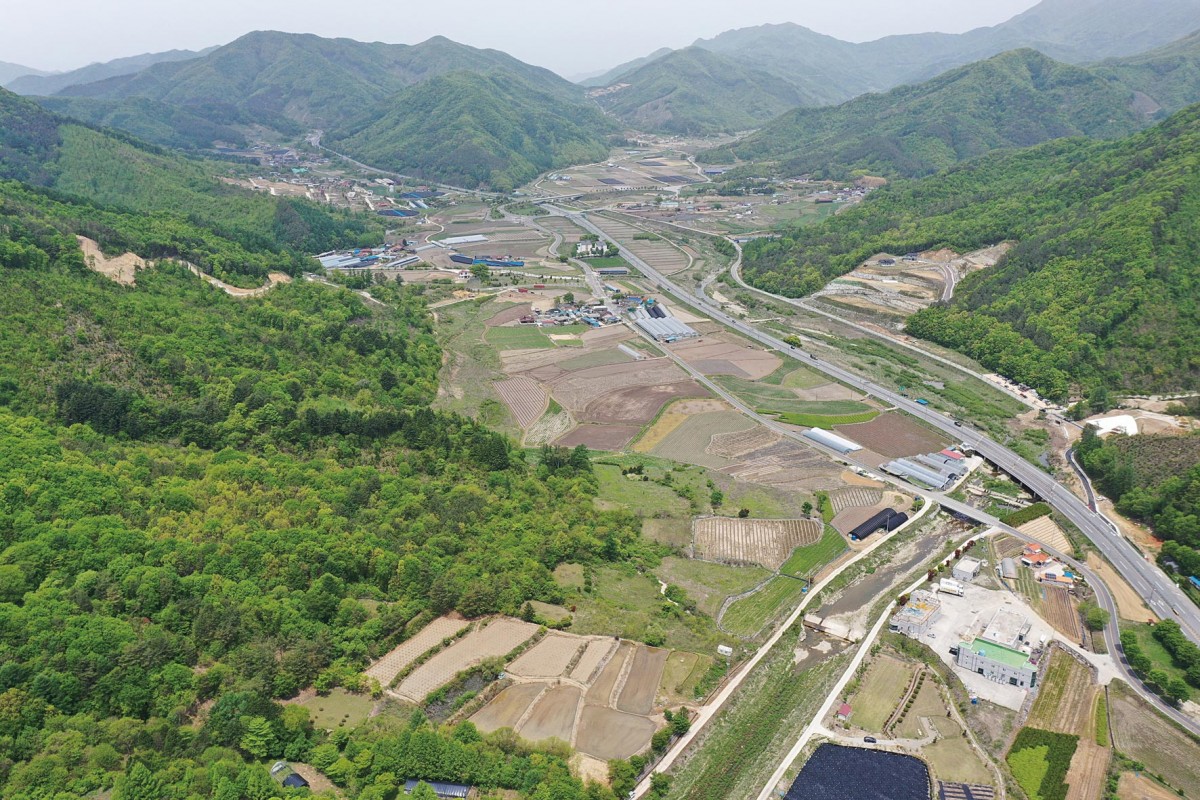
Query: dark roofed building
x: 295, y: 781
x: 441, y: 789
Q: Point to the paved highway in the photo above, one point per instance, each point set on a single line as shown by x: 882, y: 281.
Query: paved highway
x: 1159, y: 592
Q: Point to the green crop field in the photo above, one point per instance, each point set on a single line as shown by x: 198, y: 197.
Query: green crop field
x: 804, y: 378
x: 825, y: 421
x: 749, y: 615
x: 881, y: 691
x: 807, y: 560
x: 707, y: 583
x: 338, y: 709
x: 523, y: 338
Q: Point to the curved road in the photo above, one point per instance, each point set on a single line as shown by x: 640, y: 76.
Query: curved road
x: 1155, y: 588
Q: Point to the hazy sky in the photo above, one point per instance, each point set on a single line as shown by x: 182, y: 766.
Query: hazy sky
x: 568, y: 36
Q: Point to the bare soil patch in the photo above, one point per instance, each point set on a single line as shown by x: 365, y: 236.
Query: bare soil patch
x: 508, y: 315
x: 1139, y: 787
x: 637, y: 696
x: 894, y: 435
x: 608, y: 734
x: 1129, y: 604
x: 507, y: 708
x: 498, y: 638
x: 638, y: 403
x: 716, y: 356
x: 600, y: 437
x: 548, y: 658
x: 122, y: 269
x: 1085, y: 778
x: 672, y: 418
x: 600, y: 693
x: 736, y: 445
x: 597, y: 650
x: 857, y: 496
x: 766, y: 542
x: 389, y: 666
x: 553, y: 716
x: 577, y: 389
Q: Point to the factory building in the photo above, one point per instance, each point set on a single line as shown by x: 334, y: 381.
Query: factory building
x: 997, y: 663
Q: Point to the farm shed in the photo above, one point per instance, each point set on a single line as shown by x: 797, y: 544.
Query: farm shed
x: 844, y: 711
x: 666, y: 329
x: 294, y: 781
x: 967, y: 569
x: 831, y: 440
x: 905, y: 468
x: 887, y: 519
x: 1008, y: 569
x: 440, y: 788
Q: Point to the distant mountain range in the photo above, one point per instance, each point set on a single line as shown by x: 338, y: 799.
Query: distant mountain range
x: 697, y: 92
x: 296, y: 82
x: 10, y: 72
x: 41, y: 83
x: 1016, y: 99
x: 826, y: 71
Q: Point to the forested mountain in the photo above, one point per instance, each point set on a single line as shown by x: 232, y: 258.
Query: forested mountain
x: 181, y: 196
x: 42, y: 84
x: 211, y: 503
x: 1100, y: 288
x: 614, y: 74
x: 10, y: 72
x: 149, y: 120
x: 696, y: 92
x: 372, y: 99
x: 1166, y: 79
x: 827, y: 71
x: 1015, y: 99
x: 472, y: 129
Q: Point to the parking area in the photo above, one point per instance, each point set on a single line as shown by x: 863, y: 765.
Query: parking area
x: 963, y: 618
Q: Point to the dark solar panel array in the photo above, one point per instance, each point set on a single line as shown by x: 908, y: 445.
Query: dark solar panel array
x: 611, y: 181
x: 651, y: 164
x: 839, y: 773
x: 965, y: 791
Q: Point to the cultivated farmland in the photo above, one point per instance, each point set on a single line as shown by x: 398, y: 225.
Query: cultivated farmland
x: 1143, y: 734
x: 549, y: 657
x: 1064, y: 701
x: 768, y: 543
x: 689, y: 442
x: 595, y: 694
x: 895, y: 436
x: 389, y: 666
x: 500, y: 637
x: 524, y: 397
x: 716, y: 355
x: 1058, y: 607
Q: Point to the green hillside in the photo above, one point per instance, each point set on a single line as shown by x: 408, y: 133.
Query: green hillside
x: 1168, y: 78
x: 1100, y: 289
x: 148, y: 120
x: 437, y: 109
x: 473, y: 129
x: 113, y: 170
x: 1017, y: 99
x: 212, y: 503
x: 696, y: 92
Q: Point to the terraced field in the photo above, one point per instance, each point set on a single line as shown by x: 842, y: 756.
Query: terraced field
x: 736, y: 445
x: 389, y: 666
x: 766, y: 542
x: 855, y: 496
x: 498, y: 638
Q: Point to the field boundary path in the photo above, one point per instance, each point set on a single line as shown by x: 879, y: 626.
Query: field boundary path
x: 706, y: 712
